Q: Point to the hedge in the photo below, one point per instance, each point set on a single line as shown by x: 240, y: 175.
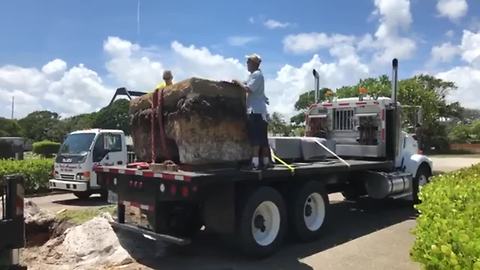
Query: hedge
x: 46, y: 148
x: 447, y: 234
x: 36, y: 171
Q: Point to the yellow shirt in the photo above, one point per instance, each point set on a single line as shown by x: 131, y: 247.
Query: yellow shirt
x: 161, y: 85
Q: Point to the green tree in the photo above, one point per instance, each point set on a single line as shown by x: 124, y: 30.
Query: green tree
x: 114, y: 116
x: 42, y: 125
x: 9, y: 128
x: 278, y: 126
x: 78, y: 122
x: 304, y: 102
x: 460, y: 133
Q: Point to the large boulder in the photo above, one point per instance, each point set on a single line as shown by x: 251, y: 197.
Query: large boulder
x: 91, y: 245
x: 203, y: 121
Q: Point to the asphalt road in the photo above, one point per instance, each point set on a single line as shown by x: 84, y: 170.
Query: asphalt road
x: 363, y: 235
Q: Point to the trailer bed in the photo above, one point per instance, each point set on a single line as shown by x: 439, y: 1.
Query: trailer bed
x: 238, y: 174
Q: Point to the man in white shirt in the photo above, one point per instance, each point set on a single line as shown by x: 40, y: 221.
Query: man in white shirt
x: 256, y: 112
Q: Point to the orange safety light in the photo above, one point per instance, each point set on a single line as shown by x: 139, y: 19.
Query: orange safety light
x: 362, y: 90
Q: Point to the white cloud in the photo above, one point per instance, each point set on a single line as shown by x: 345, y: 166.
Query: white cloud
x: 129, y: 66
x: 467, y: 76
x: 390, y: 40
x: 452, y: 9
x: 200, y: 62
x: 68, y: 92
x: 311, y: 42
x: 450, y: 33
x: 467, y: 80
x: 444, y: 53
x: 471, y: 47
x: 79, y: 89
x: 274, y: 24
x: 55, y: 67
x: 251, y: 20
x: 241, y: 40
x: 395, y: 19
x: 292, y: 81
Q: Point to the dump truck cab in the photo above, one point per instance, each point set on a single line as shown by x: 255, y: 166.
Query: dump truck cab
x: 80, y: 152
x: 366, y: 128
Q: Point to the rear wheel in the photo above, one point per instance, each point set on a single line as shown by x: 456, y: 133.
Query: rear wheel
x: 308, y: 211
x: 262, y: 222
x: 82, y: 195
x: 421, y: 179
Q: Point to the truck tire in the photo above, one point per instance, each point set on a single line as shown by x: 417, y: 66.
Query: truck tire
x: 308, y: 211
x: 422, y: 178
x: 262, y: 222
x: 82, y: 195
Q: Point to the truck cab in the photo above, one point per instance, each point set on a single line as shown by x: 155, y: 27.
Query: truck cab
x: 80, y: 152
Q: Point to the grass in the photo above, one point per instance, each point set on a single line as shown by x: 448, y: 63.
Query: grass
x: 83, y: 215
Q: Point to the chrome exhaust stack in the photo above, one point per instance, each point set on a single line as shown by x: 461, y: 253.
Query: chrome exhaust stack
x: 317, y: 85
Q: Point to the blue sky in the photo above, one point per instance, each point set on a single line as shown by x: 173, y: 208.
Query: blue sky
x: 97, y: 45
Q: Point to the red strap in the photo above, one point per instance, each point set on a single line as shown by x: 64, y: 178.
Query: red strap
x: 152, y: 125
x: 163, y: 136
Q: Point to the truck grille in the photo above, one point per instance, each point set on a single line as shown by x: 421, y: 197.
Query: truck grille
x: 343, y: 120
x: 67, y: 176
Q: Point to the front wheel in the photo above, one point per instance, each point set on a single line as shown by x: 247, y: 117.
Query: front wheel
x: 422, y: 178
x: 263, y: 222
x: 308, y: 211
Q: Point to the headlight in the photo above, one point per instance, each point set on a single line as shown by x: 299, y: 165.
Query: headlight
x: 79, y: 176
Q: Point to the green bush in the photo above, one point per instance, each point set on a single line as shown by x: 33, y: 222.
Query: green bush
x: 448, y: 227
x: 46, y: 148
x: 36, y: 172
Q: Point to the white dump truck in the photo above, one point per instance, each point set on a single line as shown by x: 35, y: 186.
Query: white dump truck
x: 354, y: 146
x: 80, y: 152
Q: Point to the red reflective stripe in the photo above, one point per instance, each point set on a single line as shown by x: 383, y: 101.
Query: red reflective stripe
x: 376, y: 103
x: 168, y: 176
x: 361, y: 103
x: 130, y: 172
x: 383, y: 134
x: 148, y: 174
x: 327, y: 105
x: 343, y: 104
x: 114, y: 170
x: 187, y: 178
x: 383, y: 115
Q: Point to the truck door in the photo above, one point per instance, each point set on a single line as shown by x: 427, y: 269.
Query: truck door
x: 109, y: 150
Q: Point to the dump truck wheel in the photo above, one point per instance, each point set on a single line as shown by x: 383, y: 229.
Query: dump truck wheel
x: 82, y: 195
x: 308, y: 211
x: 422, y: 178
x: 263, y: 222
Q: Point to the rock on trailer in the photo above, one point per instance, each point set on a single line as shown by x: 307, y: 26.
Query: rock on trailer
x: 355, y: 146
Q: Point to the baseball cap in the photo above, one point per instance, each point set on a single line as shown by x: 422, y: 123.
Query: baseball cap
x: 254, y: 57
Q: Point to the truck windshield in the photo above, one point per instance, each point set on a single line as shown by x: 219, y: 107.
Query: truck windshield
x: 77, y: 144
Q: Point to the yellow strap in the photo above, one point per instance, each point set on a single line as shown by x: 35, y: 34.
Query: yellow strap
x: 291, y: 168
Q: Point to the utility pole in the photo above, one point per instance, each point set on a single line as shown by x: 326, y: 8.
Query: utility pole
x: 13, y: 105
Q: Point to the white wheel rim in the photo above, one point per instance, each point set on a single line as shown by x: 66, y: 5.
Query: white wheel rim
x: 265, y: 223
x: 422, y: 180
x: 314, y: 212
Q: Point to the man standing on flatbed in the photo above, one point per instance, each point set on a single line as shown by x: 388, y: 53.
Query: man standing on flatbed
x: 257, y: 112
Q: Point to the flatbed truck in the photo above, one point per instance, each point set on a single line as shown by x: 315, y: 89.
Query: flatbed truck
x: 371, y: 157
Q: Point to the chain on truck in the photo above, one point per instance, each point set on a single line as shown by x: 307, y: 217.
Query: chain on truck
x: 354, y: 146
